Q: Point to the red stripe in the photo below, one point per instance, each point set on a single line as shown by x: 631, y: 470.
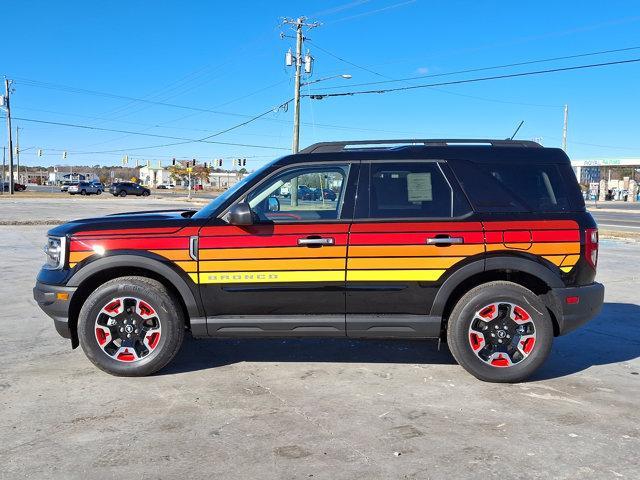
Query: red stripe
x: 532, y: 225
x: 308, y: 229
x: 407, y: 238
x: 128, y: 231
x: 440, y: 227
x: 556, y: 236
x: 130, y: 244
x: 264, y: 241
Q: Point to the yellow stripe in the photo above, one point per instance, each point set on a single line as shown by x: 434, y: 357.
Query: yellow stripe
x: 393, y: 275
x: 277, y: 264
x: 71, y: 265
x: 403, y: 262
x: 571, y: 260
x: 269, y: 277
x: 566, y: 269
x: 271, y: 252
x: 413, y: 250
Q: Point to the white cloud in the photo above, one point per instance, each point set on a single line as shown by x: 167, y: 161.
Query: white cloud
x: 422, y: 70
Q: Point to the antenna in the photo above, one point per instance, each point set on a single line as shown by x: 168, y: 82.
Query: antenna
x: 517, y: 129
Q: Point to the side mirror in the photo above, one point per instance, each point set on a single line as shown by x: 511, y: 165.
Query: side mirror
x: 273, y: 204
x: 240, y: 214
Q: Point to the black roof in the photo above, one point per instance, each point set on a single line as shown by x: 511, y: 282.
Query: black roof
x: 475, y: 150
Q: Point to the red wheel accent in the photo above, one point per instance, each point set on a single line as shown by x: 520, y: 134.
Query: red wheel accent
x: 489, y: 311
x: 476, y: 341
x: 519, y: 315
x: 113, y: 306
x: 500, y: 362
x: 145, y: 309
x: 152, y: 340
x: 527, y: 345
x: 126, y: 356
x: 102, y: 336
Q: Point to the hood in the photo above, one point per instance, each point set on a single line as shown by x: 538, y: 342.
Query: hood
x: 129, y: 220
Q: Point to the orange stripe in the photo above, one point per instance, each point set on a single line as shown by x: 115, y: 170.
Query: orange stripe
x: 558, y: 248
x: 415, y: 251
x: 188, y: 266
x: 403, y: 262
x: 555, y: 259
x: 571, y: 260
x: 274, y: 252
x: 75, y: 257
x: 173, y: 254
x: 269, y: 265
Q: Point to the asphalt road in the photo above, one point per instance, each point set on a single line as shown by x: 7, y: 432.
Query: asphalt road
x: 315, y: 408
x: 618, y: 221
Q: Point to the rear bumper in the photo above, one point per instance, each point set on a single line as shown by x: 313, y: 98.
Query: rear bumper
x: 573, y: 315
x: 46, y: 296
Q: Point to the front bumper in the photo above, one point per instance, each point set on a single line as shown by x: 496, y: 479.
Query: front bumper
x: 57, y: 307
x: 572, y: 315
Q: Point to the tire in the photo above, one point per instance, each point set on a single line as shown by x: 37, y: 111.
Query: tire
x: 498, y: 306
x: 145, y: 194
x: 99, y: 192
x: 150, y: 348
x: 122, y: 193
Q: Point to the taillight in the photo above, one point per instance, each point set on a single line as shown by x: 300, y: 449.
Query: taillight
x: 591, y: 246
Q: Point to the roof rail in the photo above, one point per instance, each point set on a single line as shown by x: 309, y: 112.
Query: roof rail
x: 351, y: 145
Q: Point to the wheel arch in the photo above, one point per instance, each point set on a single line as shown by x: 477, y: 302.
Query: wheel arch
x: 95, y: 273
x: 522, y: 271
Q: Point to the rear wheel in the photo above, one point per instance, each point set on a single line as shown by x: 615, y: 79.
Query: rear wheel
x: 83, y: 192
x: 145, y: 194
x: 500, y: 332
x: 99, y: 192
x: 131, y: 326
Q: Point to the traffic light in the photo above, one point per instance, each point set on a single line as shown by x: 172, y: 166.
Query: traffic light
x: 173, y: 162
x: 205, y: 164
x: 193, y: 164
x: 40, y: 152
x: 243, y: 162
x: 64, y: 154
x: 218, y: 163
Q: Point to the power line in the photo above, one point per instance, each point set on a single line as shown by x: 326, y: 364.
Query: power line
x: 322, y: 95
x: 473, y: 70
x: 181, y: 142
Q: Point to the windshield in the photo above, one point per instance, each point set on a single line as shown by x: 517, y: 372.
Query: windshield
x: 210, y: 208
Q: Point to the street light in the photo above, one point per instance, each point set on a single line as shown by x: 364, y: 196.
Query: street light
x: 346, y: 76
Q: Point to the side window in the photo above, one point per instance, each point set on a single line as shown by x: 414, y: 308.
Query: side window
x: 409, y: 190
x: 320, y: 192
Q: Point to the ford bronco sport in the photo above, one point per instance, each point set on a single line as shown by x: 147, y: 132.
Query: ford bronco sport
x: 485, y: 244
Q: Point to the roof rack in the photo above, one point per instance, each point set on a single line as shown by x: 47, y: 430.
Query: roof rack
x: 327, y: 147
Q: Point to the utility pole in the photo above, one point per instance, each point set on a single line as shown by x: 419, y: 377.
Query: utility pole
x: 18, y: 153
x: 564, y: 128
x: 4, y: 154
x: 299, y: 25
x: 7, y: 84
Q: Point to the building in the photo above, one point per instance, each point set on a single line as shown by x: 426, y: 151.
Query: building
x: 154, y: 176
x: 224, y: 180
x: 58, y: 177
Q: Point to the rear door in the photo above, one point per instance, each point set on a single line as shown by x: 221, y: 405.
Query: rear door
x: 412, y: 227
x: 285, y: 274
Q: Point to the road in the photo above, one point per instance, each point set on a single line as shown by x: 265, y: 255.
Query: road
x: 618, y: 221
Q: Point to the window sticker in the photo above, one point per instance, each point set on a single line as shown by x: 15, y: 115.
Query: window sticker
x: 419, y: 188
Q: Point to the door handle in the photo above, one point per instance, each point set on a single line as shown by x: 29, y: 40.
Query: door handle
x: 445, y: 240
x: 315, y: 242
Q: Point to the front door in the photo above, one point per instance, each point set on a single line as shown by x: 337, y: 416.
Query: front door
x: 285, y: 274
x: 412, y: 227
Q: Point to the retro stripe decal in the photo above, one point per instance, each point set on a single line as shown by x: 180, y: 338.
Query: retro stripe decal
x: 269, y: 276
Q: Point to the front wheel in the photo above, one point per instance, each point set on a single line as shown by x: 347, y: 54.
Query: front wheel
x: 500, y: 332
x: 99, y: 192
x: 145, y: 194
x: 123, y: 193
x: 131, y: 326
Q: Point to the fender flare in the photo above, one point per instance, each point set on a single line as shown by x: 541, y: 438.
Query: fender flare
x: 503, y: 262
x: 190, y: 299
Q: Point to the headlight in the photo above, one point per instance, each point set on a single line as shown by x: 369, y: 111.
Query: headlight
x: 55, y: 251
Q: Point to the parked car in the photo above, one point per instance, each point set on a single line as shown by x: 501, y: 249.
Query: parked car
x: 487, y: 246
x: 329, y: 194
x: 166, y: 186
x: 85, y: 188
x: 65, y: 186
x: 306, y: 193
x: 122, y: 189
x: 17, y: 187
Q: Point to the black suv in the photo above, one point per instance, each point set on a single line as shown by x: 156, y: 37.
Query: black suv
x: 485, y: 244
x: 122, y: 189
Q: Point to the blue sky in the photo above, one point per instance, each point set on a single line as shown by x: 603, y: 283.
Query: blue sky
x: 228, y: 57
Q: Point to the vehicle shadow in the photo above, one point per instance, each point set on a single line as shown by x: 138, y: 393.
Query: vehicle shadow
x: 612, y: 337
